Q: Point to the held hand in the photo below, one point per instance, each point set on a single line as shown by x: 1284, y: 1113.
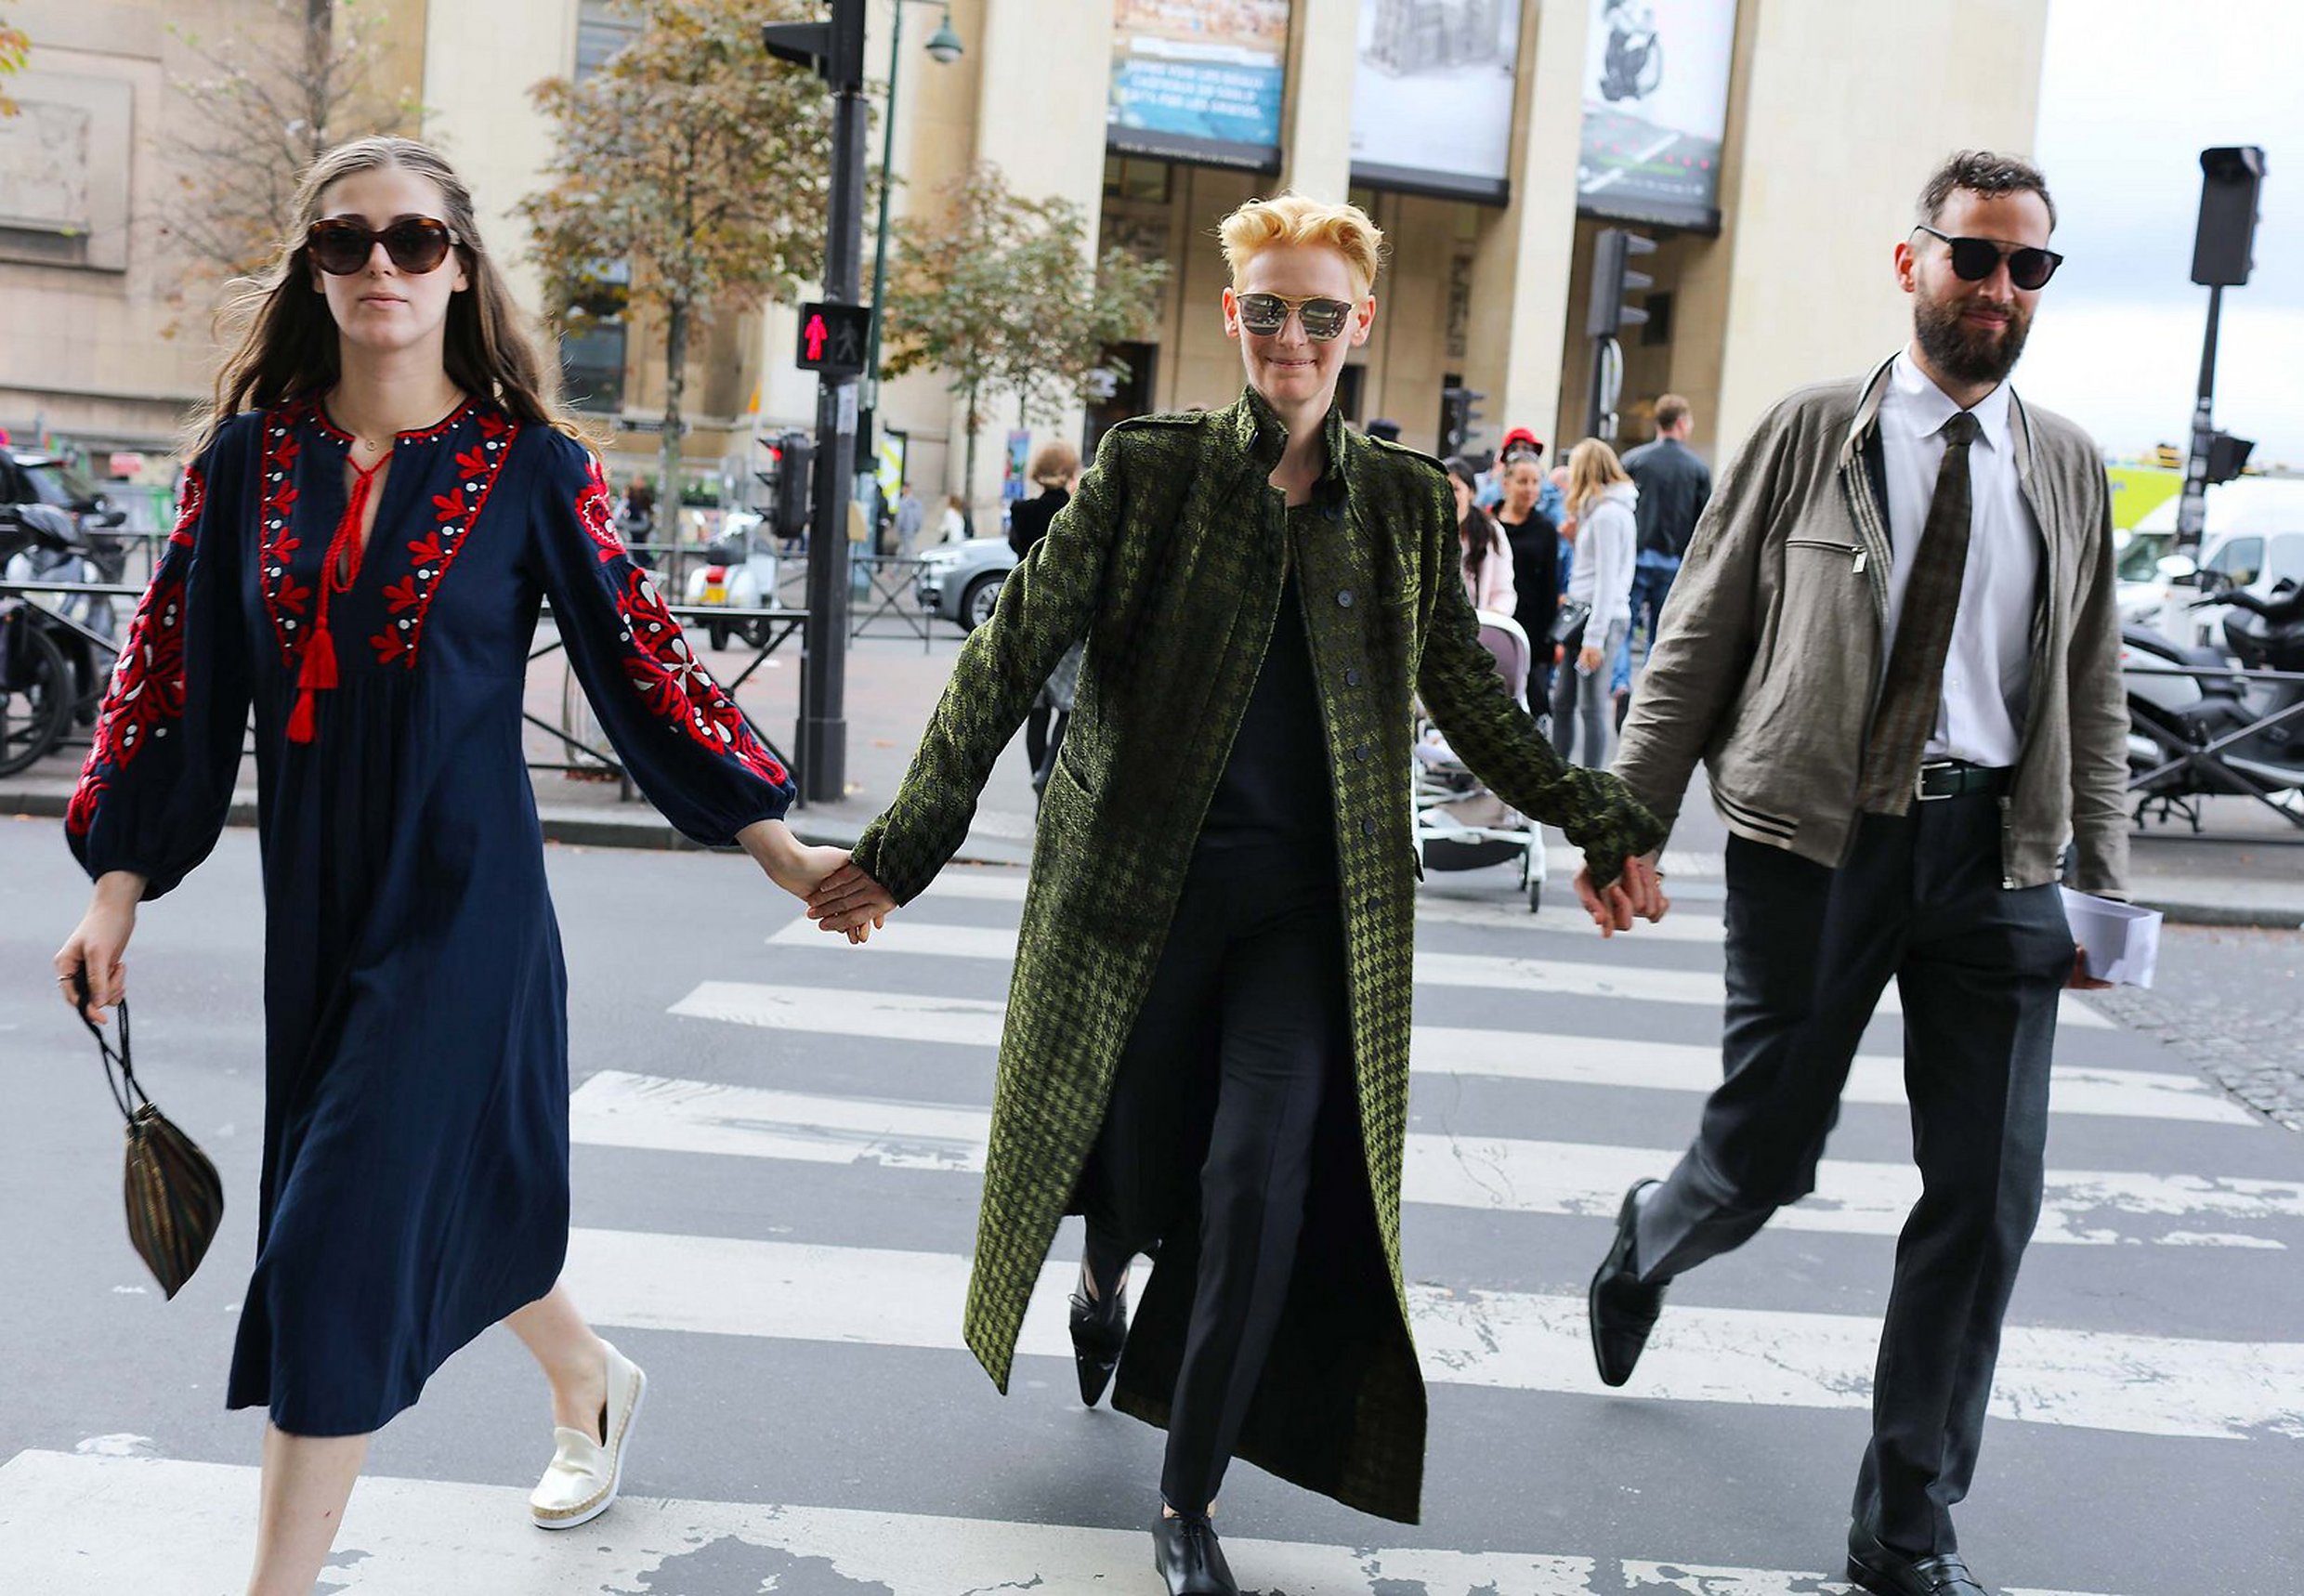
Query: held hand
x: 850, y: 901
x: 1638, y: 892
x: 99, y: 947
x: 2081, y: 981
x: 790, y: 863
x: 1588, y: 659
x: 1560, y: 653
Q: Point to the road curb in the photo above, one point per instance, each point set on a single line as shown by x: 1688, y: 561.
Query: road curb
x: 2242, y: 916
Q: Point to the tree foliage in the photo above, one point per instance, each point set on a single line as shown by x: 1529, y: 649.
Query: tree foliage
x: 689, y: 175
x: 15, y: 51
x: 999, y: 294
x: 269, y: 96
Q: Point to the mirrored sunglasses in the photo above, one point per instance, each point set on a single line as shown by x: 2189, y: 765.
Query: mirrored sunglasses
x: 1973, y: 259
x: 341, y: 246
x: 1265, y: 314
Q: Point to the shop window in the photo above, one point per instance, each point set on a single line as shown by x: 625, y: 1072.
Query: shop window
x: 1137, y: 177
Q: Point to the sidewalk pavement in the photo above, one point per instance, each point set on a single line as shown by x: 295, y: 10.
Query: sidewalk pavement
x: 2246, y: 869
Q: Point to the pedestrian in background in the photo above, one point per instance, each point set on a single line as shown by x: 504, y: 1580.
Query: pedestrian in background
x: 1206, y: 1046
x: 952, y: 527
x: 1674, y: 486
x: 360, y: 559
x: 909, y: 516
x: 1601, y: 498
x: 1056, y: 471
x: 1897, y: 648
x: 1535, y: 543
x: 1487, y: 557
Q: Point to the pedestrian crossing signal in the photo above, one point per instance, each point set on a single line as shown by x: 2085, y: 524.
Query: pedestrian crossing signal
x: 832, y: 338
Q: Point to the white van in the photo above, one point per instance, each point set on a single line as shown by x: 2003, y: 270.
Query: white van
x: 2254, y: 535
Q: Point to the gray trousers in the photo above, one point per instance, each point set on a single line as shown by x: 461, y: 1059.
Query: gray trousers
x: 1580, y: 699
x: 1808, y: 952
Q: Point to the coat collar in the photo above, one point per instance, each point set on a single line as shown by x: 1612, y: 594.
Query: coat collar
x: 1256, y: 431
x: 1867, y: 421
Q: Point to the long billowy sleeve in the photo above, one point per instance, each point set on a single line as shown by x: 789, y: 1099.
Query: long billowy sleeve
x: 677, y: 730
x: 158, y: 782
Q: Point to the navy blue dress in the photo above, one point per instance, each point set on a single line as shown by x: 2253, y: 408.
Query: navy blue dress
x: 416, y: 1141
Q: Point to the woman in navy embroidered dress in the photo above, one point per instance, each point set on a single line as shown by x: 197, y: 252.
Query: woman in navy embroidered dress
x: 370, y: 591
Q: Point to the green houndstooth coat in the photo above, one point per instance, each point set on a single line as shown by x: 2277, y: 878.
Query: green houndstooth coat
x: 1169, y: 562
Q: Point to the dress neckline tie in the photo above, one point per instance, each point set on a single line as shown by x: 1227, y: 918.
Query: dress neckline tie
x: 318, y: 672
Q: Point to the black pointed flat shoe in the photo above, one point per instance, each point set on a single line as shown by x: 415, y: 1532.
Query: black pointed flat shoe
x: 1099, y: 1331
x: 1622, y: 1311
x: 1184, y: 1550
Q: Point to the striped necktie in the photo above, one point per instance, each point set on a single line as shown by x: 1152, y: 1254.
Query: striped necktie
x: 1914, y: 687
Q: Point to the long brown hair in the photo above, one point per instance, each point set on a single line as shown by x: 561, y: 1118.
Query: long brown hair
x: 290, y: 348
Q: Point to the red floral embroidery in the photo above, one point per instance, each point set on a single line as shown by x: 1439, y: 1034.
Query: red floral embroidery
x: 146, y: 693
x: 665, y: 672
x: 286, y: 601
x: 594, y: 510
x: 457, y: 512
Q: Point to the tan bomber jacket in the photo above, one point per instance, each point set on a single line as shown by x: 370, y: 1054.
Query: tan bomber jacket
x: 1773, y: 645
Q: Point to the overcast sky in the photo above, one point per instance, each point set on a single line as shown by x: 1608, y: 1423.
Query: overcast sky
x: 2132, y: 91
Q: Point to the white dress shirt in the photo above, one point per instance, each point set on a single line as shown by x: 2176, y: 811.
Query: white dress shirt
x: 1987, y: 673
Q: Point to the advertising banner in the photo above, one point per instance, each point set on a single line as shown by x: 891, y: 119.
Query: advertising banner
x: 1198, y: 80
x: 1656, y: 107
x: 1431, y: 99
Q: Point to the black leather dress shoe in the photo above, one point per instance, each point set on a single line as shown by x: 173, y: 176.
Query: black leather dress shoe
x: 1879, y: 1568
x: 1099, y: 1331
x: 1184, y: 1550
x: 1622, y: 1309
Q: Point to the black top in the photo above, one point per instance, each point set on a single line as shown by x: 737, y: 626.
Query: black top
x: 1028, y: 519
x: 1274, y: 795
x: 1536, y: 576
x: 1674, y: 486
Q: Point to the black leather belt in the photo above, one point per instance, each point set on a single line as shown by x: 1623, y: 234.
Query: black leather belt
x: 1958, y: 778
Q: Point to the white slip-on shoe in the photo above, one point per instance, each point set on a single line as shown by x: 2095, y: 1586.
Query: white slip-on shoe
x: 584, y: 1474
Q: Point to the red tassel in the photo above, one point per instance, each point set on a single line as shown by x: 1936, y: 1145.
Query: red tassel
x: 300, y: 718
x: 319, y: 667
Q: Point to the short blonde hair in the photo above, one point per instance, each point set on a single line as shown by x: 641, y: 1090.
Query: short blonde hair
x: 1293, y: 219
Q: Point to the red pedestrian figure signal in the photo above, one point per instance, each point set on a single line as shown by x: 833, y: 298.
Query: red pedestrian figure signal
x: 832, y: 338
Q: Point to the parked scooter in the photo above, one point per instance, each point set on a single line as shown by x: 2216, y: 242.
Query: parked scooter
x: 2192, y: 737
x: 55, y: 546
x: 741, y: 574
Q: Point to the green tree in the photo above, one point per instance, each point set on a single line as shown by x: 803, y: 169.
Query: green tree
x: 697, y: 161
x: 999, y: 294
x: 15, y: 50
x: 300, y: 77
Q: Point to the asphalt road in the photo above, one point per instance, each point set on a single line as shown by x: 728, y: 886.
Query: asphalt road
x: 775, y: 1196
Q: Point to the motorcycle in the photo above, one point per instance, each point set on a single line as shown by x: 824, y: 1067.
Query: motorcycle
x: 37, y: 694
x: 61, y: 547
x: 740, y: 573
x: 2215, y: 730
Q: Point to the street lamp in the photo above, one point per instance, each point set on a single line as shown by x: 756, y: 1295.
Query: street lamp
x: 943, y: 47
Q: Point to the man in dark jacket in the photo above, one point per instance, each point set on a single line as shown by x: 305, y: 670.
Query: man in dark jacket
x: 1674, y: 486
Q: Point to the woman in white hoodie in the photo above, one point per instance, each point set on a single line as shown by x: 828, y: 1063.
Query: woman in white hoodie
x: 1600, y: 497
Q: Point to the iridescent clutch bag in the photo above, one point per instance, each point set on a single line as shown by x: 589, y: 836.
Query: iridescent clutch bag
x: 175, y: 1199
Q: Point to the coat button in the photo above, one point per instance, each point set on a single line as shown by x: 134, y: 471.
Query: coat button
x: 1351, y: 678
x: 1361, y: 753
x: 1343, y: 597
x: 1335, y: 512
x: 1367, y: 828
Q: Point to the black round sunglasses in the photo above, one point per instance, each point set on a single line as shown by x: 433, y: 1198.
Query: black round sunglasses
x: 1973, y: 260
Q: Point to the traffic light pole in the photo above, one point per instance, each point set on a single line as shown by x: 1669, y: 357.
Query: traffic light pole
x: 2191, y: 513
x: 823, y: 740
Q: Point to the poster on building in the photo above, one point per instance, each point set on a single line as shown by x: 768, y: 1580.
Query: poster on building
x: 1656, y: 107
x: 1432, y: 97
x: 1198, y: 80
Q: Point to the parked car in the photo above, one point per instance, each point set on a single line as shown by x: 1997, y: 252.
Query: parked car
x: 2254, y: 537
x: 27, y: 478
x: 960, y: 582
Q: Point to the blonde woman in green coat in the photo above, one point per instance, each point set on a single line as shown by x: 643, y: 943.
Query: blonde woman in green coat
x: 1206, y: 1050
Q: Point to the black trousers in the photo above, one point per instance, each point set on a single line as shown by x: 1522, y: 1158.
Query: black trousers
x: 1809, y: 951
x: 1217, y: 1096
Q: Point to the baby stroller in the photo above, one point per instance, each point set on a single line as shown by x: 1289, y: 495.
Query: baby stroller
x: 1459, y: 824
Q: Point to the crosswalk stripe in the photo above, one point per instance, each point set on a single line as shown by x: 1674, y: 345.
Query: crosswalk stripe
x: 618, y: 1109
x: 1450, y: 1049
x: 1559, y: 977
x: 59, y: 1514
x: 2145, y: 1385
x: 1508, y: 911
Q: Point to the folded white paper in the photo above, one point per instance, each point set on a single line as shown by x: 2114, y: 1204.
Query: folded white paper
x: 2121, y: 941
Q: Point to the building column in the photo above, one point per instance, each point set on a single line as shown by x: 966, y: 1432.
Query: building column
x: 1315, y: 114
x: 1530, y: 254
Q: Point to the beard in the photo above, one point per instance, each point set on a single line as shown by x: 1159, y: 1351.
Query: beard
x: 1964, y: 353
